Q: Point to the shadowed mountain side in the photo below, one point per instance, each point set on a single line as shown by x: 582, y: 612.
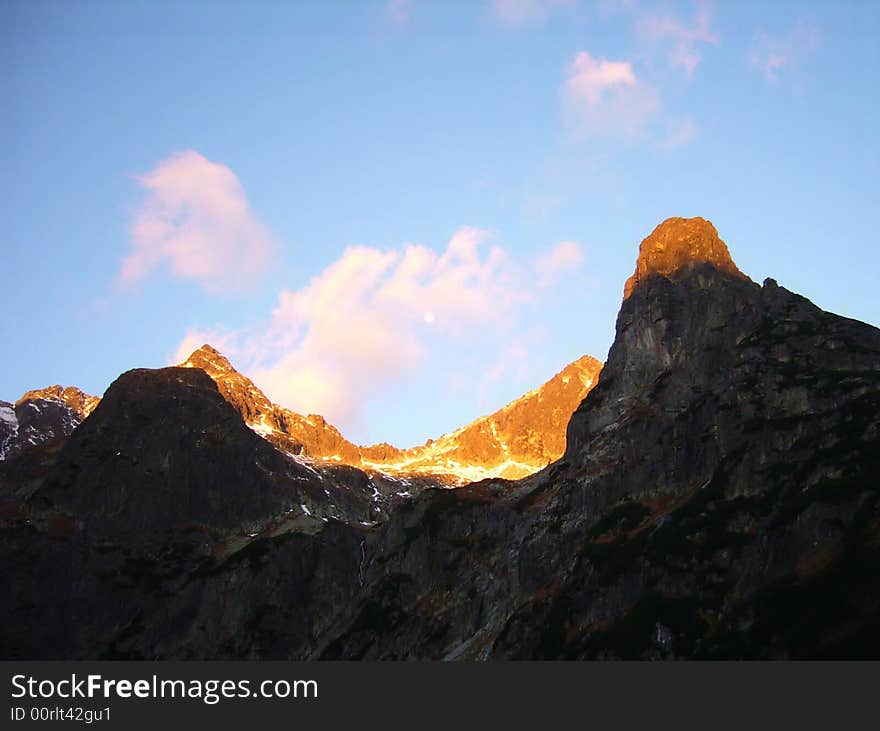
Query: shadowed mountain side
x: 718, y: 498
x: 165, y: 527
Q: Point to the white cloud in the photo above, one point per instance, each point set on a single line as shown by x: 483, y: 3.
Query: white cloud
x: 525, y: 12
x: 364, y: 321
x: 562, y: 259
x: 684, y: 39
x: 605, y: 98
x: 196, y: 222
x: 771, y: 54
x: 375, y: 316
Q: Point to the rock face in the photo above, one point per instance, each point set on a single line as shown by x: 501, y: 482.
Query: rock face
x: 130, y: 537
x: 40, y: 416
x: 677, y: 244
x: 8, y: 426
x: 717, y: 498
x: 310, y: 435
x: 82, y: 403
x: 517, y: 440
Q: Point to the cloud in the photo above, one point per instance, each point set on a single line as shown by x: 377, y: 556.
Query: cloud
x: 605, y: 98
x: 525, y: 12
x: 195, y: 221
x: 771, y: 54
x: 684, y: 39
x: 376, y: 315
x: 561, y: 260
x: 679, y: 134
x: 397, y: 11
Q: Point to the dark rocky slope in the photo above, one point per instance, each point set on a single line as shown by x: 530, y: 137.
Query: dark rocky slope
x: 165, y: 527
x: 718, y: 498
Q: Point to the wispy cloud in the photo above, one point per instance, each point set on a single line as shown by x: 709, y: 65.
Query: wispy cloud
x: 679, y: 133
x: 683, y: 39
x: 525, y: 12
x: 376, y: 315
x: 562, y: 259
x: 195, y: 221
x: 772, y: 54
x: 605, y: 98
x: 397, y: 11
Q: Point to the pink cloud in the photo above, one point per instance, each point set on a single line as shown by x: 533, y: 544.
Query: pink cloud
x: 771, y: 54
x: 606, y: 98
x: 561, y: 260
x: 679, y: 134
x: 525, y: 12
x: 684, y: 38
x: 195, y: 221
x: 375, y: 316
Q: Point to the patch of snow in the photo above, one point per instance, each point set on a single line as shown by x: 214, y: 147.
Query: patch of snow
x: 7, y: 414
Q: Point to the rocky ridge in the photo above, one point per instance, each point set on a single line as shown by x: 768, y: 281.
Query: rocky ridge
x: 717, y: 498
x: 41, y: 416
x: 518, y: 439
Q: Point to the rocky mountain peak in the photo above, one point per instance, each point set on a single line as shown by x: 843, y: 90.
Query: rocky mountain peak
x: 210, y: 360
x: 82, y: 403
x: 676, y: 244
x: 517, y: 440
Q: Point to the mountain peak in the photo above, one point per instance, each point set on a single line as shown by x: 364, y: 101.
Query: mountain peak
x: 209, y: 359
x: 677, y: 243
x: 82, y: 403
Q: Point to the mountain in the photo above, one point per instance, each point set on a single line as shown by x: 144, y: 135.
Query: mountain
x: 40, y: 416
x: 517, y: 440
x: 716, y: 498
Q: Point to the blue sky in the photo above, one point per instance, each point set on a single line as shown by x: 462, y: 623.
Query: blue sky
x: 405, y: 214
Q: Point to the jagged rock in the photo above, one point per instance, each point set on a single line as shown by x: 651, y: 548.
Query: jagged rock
x: 719, y: 483
x: 677, y: 244
x: 517, y: 440
x: 40, y: 416
x: 82, y: 403
x: 717, y: 498
x: 8, y: 426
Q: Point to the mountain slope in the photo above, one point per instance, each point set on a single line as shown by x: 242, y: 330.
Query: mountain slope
x: 518, y: 439
x: 718, y: 496
x: 41, y: 416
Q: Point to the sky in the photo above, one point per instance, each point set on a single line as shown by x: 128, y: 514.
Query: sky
x: 403, y: 214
